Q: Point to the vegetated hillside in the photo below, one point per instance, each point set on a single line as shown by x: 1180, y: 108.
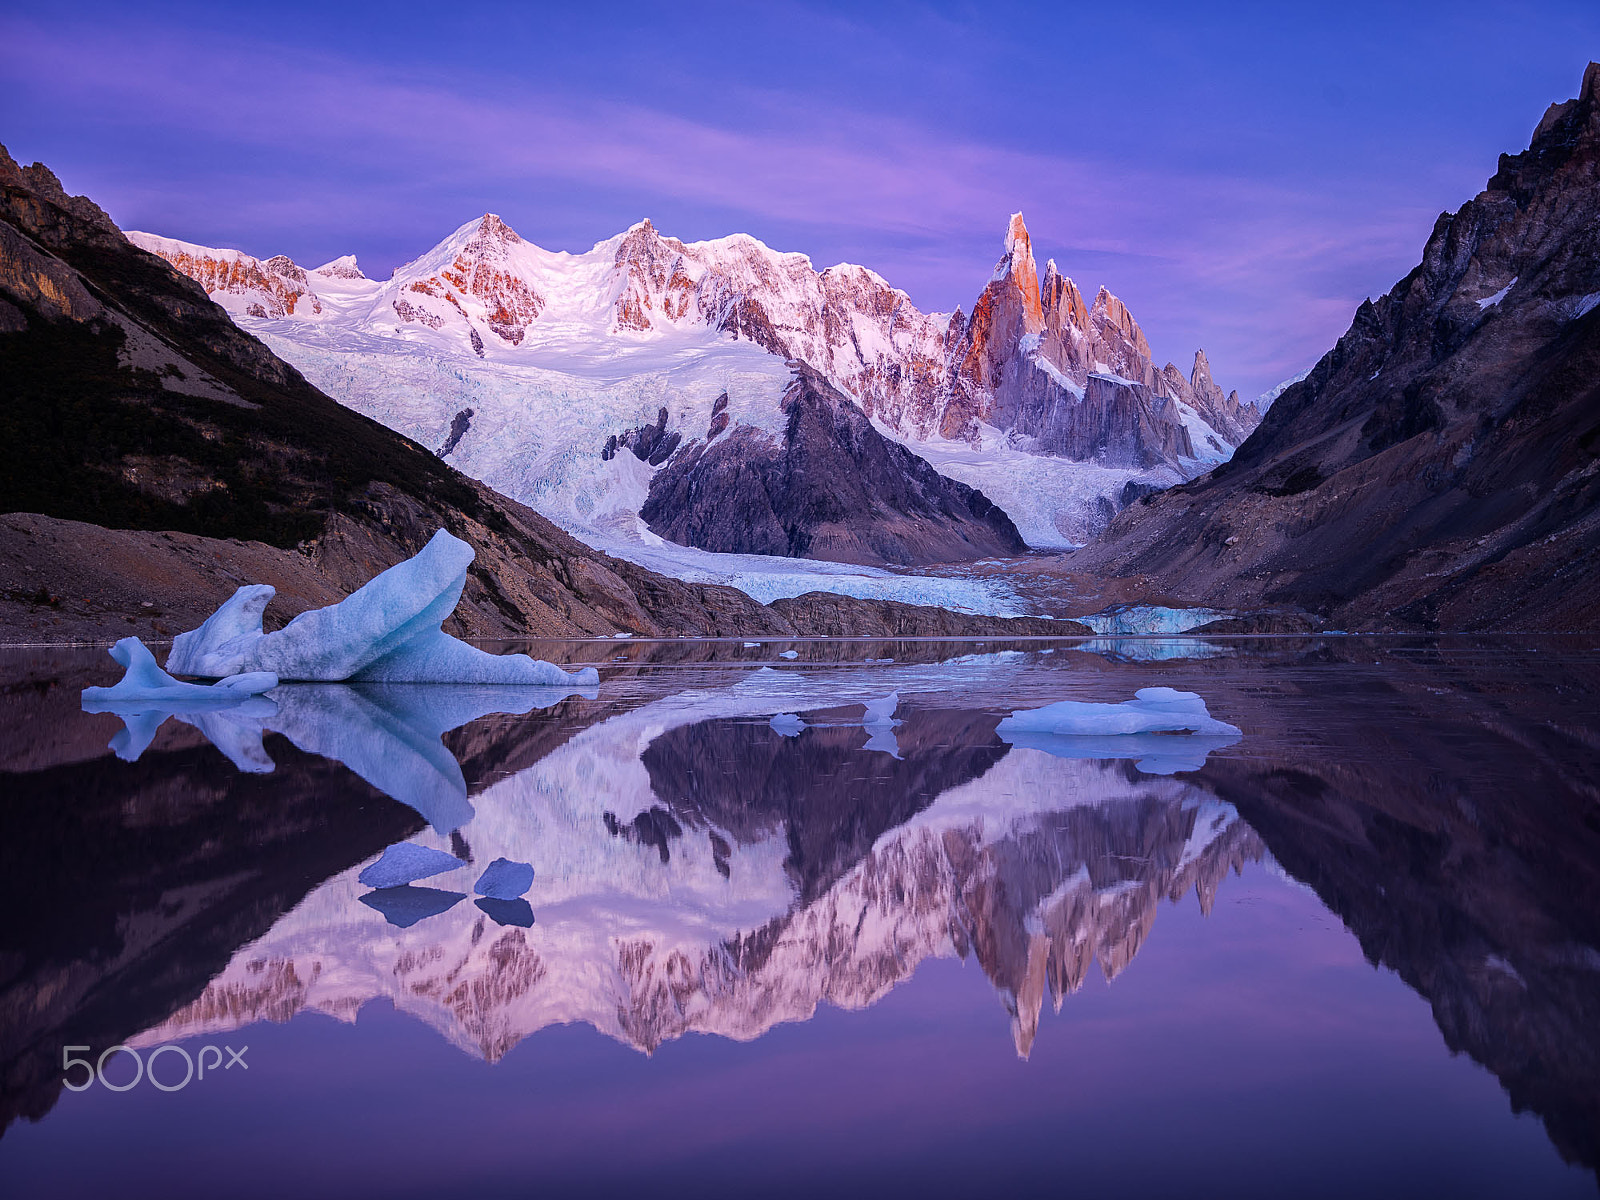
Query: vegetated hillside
x: 1440, y: 467
x: 130, y: 403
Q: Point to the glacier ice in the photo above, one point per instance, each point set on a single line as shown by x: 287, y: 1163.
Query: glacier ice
x: 1153, y: 710
x: 504, y: 879
x: 386, y: 631
x: 406, y: 862
x: 1149, y: 618
x: 881, y: 711
x: 790, y: 654
x: 145, y: 682
x: 1140, y: 728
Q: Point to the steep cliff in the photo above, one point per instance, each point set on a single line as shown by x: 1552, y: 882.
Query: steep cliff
x: 1440, y: 466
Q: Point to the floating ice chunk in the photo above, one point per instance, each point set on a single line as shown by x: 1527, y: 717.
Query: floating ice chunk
x: 1153, y: 710
x: 790, y: 654
x: 388, y: 630
x: 747, y: 645
x: 881, y: 712
x: 787, y: 725
x: 1136, y: 729
x: 1153, y: 753
x: 145, y: 681
x: 406, y: 862
x: 504, y: 879
x: 405, y: 906
x: 622, y: 635
x: 516, y: 912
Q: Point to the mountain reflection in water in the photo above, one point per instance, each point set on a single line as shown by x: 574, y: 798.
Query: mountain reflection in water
x: 698, y: 870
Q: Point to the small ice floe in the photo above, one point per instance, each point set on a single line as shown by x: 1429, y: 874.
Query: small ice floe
x: 387, y: 630
x: 406, y: 862
x: 405, y: 906
x: 1140, y: 729
x: 787, y: 725
x: 145, y: 682
x: 517, y: 912
x: 878, y: 720
x: 790, y: 654
x: 504, y: 879
x: 881, y: 712
x: 622, y: 635
x: 747, y: 645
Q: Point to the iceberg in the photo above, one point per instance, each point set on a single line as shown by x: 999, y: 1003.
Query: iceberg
x: 1140, y: 729
x: 878, y: 720
x: 790, y: 654
x: 406, y: 862
x: 881, y: 711
x: 385, y: 631
x: 1152, y: 710
x: 504, y: 879
x: 144, y: 683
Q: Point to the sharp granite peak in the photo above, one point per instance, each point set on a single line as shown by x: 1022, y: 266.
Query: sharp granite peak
x: 1034, y: 377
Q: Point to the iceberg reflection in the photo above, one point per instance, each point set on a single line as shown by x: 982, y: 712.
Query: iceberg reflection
x: 388, y: 734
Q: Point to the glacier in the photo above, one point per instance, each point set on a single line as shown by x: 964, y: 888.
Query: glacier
x: 387, y: 631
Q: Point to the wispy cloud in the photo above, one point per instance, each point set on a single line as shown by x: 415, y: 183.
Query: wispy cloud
x: 1263, y: 275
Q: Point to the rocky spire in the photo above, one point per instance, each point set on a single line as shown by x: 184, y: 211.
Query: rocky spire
x: 1018, y: 264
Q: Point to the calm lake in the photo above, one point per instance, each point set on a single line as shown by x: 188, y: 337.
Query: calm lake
x: 769, y: 951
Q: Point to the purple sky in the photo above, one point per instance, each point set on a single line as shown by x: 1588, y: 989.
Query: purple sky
x: 1241, y: 175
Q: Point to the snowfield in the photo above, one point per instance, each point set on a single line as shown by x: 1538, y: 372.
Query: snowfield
x: 517, y: 364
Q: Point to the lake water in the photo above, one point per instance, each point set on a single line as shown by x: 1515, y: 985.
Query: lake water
x: 1355, y: 951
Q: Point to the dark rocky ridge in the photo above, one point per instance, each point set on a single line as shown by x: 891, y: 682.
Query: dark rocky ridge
x: 833, y: 488
x: 157, y: 456
x: 1440, y: 467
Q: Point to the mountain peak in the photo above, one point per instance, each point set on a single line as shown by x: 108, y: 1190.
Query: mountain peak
x: 1017, y: 231
x: 343, y: 267
x: 492, y: 227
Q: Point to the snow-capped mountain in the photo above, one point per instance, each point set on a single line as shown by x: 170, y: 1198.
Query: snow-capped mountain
x: 665, y: 908
x: 525, y: 361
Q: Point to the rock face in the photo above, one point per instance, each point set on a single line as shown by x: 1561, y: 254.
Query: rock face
x: 1440, y: 466
x: 832, y: 487
x: 1077, y: 382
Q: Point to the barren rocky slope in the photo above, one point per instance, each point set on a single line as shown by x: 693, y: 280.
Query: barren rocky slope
x: 1440, y: 467
x: 832, y: 487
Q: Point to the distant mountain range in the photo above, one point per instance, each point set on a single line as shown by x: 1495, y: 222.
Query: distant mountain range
x: 157, y: 456
x: 520, y: 364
